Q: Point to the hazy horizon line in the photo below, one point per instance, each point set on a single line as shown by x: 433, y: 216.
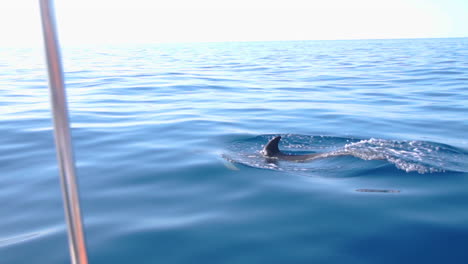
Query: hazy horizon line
x: 86, y: 44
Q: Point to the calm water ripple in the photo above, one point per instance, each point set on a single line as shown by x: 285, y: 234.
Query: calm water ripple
x: 167, y: 140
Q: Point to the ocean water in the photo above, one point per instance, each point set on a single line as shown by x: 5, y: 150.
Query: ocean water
x: 167, y: 140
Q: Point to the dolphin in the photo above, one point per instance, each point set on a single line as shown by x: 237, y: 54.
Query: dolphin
x: 272, y: 151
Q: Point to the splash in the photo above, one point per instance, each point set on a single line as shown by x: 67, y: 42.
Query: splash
x: 419, y: 156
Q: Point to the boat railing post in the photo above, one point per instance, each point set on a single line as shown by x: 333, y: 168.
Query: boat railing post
x: 63, y: 144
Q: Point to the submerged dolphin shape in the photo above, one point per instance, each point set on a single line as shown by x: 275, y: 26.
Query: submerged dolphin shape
x: 271, y: 150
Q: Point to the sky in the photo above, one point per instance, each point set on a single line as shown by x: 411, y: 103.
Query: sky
x: 154, y: 21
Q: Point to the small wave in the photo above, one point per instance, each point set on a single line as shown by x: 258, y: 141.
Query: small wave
x: 17, y: 239
x: 419, y: 156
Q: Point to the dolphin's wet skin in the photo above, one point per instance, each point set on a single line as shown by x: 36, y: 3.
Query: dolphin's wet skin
x: 271, y: 150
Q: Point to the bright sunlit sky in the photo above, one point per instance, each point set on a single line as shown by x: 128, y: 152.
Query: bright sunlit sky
x: 152, y: 21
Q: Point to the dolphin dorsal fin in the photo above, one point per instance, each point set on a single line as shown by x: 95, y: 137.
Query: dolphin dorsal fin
x: 271, y: 148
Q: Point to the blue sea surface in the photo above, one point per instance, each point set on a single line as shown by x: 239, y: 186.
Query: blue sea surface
x: 167, y: 142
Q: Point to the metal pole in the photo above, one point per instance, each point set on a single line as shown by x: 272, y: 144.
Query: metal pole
x: 63, y: 143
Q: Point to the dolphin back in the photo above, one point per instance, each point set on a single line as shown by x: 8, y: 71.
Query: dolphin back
x: 271, y: 150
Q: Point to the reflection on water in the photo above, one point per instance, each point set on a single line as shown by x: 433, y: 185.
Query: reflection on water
x: 151, y: 123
